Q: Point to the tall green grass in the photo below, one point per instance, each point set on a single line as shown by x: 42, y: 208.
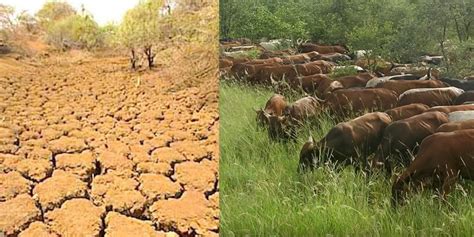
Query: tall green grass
x: 263, y: 195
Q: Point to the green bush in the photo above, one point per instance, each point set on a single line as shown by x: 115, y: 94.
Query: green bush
x: 75, y: 31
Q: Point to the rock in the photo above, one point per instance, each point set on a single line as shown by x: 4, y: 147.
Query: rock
x: 112, y: 161
x: 13, y: 184
x: 154, y: 168
x: 120, y: 225
x: 192, y: 150
x: 190, y: 212
x: 76, y: 217
x: 17, y: 213
x: 67, y: 145
x: 38, y: 229
x: 82, y: 165
x: 155, y: 186
x: 36, y: 170
x: 167, y: 155
x: 197, y: 176
x: 62, y: 186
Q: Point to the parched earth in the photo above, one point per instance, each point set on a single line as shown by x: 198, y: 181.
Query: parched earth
x: 89, y: 149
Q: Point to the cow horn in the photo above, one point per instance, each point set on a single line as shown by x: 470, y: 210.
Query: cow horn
x: 319, y: 99
x: 429, y: 73
x: 310, y: 139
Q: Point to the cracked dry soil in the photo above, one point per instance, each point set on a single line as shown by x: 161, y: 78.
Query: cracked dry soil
x: 87, y: 149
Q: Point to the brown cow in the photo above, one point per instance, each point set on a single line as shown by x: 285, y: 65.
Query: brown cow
x: 430, y: 96
x: 345, y: 140
x: 326, y: 67
x: 296, y: 59
x: 454, y: 126
x: 241, y: 70
x: 355, y: 100
x: 464, y: 97
x: 295, y: 114
x: 406, y: 111
x: 402, y: 136
x: 335, y: 57
x: 308, y: 68
x: 310, y: 83
x: 401, y: 86
x: 358, y: 80
x: 442, y: 156
x: 274, y: 72
x: 322, y: 49
x: 452, y: 108
x: 274, y: 106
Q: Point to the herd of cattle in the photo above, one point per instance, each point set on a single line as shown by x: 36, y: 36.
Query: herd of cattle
x: 427, y: 123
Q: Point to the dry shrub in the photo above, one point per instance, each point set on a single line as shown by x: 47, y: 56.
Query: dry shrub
x: 190, y: 53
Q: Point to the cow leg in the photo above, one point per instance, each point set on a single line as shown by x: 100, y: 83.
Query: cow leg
x: 448, y: 184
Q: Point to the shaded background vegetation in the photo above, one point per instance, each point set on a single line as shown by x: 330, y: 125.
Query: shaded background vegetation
x: 400, y: 30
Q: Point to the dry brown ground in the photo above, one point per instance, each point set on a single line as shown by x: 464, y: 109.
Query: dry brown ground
x: 89, y: 149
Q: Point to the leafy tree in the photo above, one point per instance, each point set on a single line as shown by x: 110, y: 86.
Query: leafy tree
x: 140, y: 28
x: 54, y: 11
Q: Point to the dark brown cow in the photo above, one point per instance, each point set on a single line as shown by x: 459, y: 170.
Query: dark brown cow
x: 347, y: 141
x: 445, y: 157
x: 225, y: 63
x: 326, y: 67
x: 356, y: 100
x: 295, y: 114
x: 406, y: 111
x: 308, y: 68
x: 310, y: 83
x: 359, y: 80
x: 452, y: 108
x: 296, y: 59
x: 464, y: 97
x: 401, y: 86
x: 275, y: 106
x: 430, y: 96
x: 402, y: 136
x: 322, y: 49
x: 454, y: 126
x: 274, y: 72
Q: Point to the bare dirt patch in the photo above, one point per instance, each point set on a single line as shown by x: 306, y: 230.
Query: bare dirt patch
x: 90, y: 148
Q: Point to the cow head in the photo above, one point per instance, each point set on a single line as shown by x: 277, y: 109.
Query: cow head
x: 307, y: 155
x: 262, y: 117
x: 281, y: 127
x: 399, y: 192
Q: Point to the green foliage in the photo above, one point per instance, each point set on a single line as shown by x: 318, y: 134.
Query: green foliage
x: 54, y: 11
x: 78, y: 31
x: 399, y: 30
x: 261, y: 193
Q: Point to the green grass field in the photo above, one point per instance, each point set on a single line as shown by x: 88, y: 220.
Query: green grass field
x: 263, y: 195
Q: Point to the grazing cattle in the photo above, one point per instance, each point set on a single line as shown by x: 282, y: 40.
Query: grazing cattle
x: 347, y: 141
x: 454, y: 126
x: 324, y: 66
x: 225, y: 63
x: 402, y: 136
x: 416, y: 71
x: 464, y: 97
x: 322, y: 49
x: 296, y: 59
x: 335, y: 57
x: 275, y: 54
x: 354, y: 67
x: 406, y: 111
x: 310, y: 83
x: 274, y: 72
x: 346, y: 101
x: 308, y: 68
x: 241, y: 70
x: 430, y: 96
x: 275, y: 106
x: 451, y: 108
x: 445, y: 157
x: 379, y: 80
x: 284, y: 126
x: 379, y: 65
x: 469, y: 78
x: 276, y: 44
x: 401, y: 86
x: 358, y: 80
x: 463, y: 84
x: 461, y: 116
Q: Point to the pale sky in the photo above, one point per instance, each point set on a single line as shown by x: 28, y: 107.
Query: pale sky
x: 104, y: 11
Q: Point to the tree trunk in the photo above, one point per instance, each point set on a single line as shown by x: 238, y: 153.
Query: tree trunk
x: 133, y: 59
x: 150, y: 56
